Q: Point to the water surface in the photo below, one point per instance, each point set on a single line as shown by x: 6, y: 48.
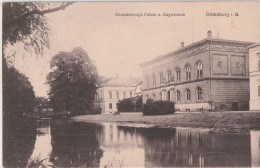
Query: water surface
x: 63, y: 143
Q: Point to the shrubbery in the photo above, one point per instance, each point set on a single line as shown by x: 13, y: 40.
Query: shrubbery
x: 158, y: 107
x: 128, y: 105
x: 96, y: 110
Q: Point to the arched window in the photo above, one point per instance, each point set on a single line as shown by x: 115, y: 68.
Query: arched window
x: 178, y: 74
x: 199, y: 93
x: 161, y: 78
x: 169, y: 76
x: 199, y: 70
x: 188, y: 94
x: 188, y: 72
x: 178, y: 95
x: 154, y: 80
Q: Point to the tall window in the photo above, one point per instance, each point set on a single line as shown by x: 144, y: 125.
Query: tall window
x: 199, y: 93
x: 117, y: 95
x: 169, y: 76
x: 131, y: 94
x: 124, y: 95
x: 160, y: 95
x: 161, y: 78
x: 178, y: 95
x: 258, y: 90
x: 154, y: 80
x: 178, y: 74
x: 188, y: 94
x: 110, y: 95
x: 188, y: 72
x: 199, y: 70
x: 110, y: 106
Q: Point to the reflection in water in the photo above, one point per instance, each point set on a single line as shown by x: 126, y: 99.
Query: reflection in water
x: 255, y: 148
x: 72, y: 144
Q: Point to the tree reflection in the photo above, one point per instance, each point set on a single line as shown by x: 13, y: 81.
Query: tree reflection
x: 75, y: 144
x: 18, y: 142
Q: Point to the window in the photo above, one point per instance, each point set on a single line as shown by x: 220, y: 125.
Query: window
x: 161, y: 78
x: 188, y: 72
x: 258, y: 90
x: 169, y: 76
x: 124, y: 95
x: 117, y: 95
x: 110, y: 95
x: 160, y: 95
x: 188, y: 94
x: 178, y: 95
x: 199, y: 93
x: 154, y: 80
x: 110, y: 105
x: 199, y: 70
x: 131, y: 94
x: 178, y: 75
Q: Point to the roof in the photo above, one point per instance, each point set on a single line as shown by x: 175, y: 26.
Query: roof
x: 121, y: 82
x: 244, y: 43
x: 254, y: 45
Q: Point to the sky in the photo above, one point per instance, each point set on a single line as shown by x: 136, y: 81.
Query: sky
x: 119, y: 44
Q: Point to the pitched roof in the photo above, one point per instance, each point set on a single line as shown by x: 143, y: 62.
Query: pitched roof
x: 121, y: 81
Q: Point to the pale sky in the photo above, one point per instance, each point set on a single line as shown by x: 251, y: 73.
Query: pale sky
x: 118, y: 44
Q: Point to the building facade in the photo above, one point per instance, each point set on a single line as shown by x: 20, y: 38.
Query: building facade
x: 111, y: 91
x: 254, y: 72
x: 211, y: 74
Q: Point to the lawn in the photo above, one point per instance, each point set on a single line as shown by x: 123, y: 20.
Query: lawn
x: 215, y: 120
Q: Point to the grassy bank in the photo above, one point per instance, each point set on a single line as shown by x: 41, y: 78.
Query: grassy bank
x: 216, y: 120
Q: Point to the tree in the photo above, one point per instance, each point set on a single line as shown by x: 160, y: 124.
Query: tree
x: 18, y: 94
x: 72, y: 82
x: 26, y: 22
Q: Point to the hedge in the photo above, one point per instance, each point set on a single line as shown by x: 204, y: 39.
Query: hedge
x: 158, y: 107
x: 128, y: 105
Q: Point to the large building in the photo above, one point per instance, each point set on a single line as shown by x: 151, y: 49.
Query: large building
x: 254, y: 72
x: 114, y: 89
x: 211, y: 74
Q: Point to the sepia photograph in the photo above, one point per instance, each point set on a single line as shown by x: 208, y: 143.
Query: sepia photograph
x: 116, y: 84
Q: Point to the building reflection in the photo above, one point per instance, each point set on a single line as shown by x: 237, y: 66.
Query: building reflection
x: 255, y: 148
x: 175, y: 147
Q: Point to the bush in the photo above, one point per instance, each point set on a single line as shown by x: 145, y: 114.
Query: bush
x: 159, y: 107
x: 128, y: 105
x: 96, y: 110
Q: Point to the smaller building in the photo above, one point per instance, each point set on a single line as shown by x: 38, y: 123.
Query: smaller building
x: 109, y: 92
x: 254, y: 73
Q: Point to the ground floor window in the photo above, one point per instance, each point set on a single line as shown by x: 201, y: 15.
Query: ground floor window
x: 110, y: 105
x: 199, y: 93
x: 178, y: 95
x: 258, y: 90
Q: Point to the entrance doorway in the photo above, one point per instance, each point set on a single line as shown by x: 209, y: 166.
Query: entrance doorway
x: 235, y: 106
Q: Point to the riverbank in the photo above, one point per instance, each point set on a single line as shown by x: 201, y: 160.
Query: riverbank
x: 217, y: 121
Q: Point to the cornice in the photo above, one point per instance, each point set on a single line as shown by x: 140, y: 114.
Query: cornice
x: 202, y: 46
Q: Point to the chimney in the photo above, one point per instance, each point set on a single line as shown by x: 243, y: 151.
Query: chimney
x: 182, y: 44
x: 209, y: 33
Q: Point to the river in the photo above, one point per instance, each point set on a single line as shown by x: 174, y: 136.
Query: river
x: 63, y: 143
